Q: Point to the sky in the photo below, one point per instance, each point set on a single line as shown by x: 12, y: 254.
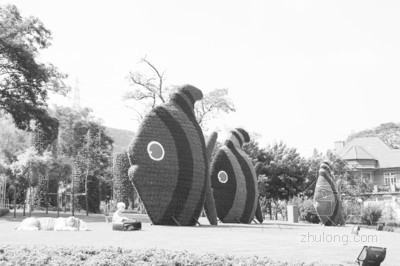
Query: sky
x: 307, y: 73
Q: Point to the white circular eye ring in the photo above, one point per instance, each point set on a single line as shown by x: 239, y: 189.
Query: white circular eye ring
x: 220, y: 179
x: 150, y: 152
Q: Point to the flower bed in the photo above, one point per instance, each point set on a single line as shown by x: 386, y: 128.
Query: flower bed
x: 15, y: 255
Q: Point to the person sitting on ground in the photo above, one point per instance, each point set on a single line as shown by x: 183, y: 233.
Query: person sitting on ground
x: 117, y: 217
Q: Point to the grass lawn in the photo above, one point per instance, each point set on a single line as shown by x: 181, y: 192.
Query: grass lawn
x: 280, y: 241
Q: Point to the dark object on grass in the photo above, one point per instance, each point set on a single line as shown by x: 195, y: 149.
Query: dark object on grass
x: 355, y: 229
x: 371, y: 256
x: 234, y: 181
x: 380, y: 226
x: 130, y: 225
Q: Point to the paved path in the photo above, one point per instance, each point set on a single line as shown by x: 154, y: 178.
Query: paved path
x: 277, y: 240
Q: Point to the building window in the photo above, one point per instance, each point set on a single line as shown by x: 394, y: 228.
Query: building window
x: 390, y: 178
x: 366, y: 177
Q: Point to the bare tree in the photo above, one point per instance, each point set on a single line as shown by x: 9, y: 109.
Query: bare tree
x: 149, y: 91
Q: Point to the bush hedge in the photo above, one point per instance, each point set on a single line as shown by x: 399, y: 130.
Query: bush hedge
x: 4, y: 211
x: 40, y: 255
x: 123, y: 191
x: 307, y: 212
x: 371, y: 214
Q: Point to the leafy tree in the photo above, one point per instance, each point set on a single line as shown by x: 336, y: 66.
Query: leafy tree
x: 12, y: 140
x: 59, y: 170
x: 149, y: 91
x: 30, y: 168
x: 92, y: 148
x: 68, y: 118
x: 212, y: 104
x: 252, y: 148
x: 85, y: 141
x: 24, y: 81
x: 281, y: 172
x: 387, y: 132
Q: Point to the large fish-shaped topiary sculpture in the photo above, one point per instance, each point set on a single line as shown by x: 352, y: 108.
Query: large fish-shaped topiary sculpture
x: 234, y: 182
x: 327, y: 198
x: 169, y: 162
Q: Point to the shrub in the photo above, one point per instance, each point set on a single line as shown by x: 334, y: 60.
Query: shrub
x: 42, y: 255
x: 371, y: 214
x: 308, y: 213
x: 392, y: 224
x: 352, y: 211
x: 4, y: 211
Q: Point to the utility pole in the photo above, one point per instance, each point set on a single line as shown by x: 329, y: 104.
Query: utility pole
x: 76, y: 103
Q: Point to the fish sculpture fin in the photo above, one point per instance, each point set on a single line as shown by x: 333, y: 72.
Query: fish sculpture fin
x: 259, y: 215
x: 209, y: 204
x: 338, y: 184
x: 190, y: 93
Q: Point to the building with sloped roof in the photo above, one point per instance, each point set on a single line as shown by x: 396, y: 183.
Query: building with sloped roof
x: 377, y: 163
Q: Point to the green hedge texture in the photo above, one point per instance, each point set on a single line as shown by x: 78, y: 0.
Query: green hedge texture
x: 41, y: 255
x: 4, y: 212
x: 123, y: 190
x: 236, y: 199
x: 39, y: 142
x: 172, y: 187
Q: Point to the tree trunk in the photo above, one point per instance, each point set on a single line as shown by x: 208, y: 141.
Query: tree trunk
x: 15, y: 201
x: 58, y: 204
x: 73, y: 193
x: 86, y: 196
x: 270, y: 209
x: 47, y: 194
x: 86, y: 189
x: 65, y: 202
x: 30, y: 201
x: 24, y: 203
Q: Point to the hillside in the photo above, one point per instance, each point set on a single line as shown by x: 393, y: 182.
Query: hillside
x: 121, y: 138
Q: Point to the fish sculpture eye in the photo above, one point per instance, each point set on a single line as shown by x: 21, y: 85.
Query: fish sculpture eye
x: 223, y: 177
x: 155, y: 151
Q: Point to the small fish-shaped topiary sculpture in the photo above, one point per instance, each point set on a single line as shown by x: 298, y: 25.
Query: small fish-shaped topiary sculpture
x: 327, y: 198
x: 234, y: 181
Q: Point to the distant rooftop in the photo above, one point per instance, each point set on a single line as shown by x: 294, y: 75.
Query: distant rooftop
x: 371, y: 148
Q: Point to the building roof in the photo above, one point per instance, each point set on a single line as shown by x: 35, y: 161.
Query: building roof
x: 356, y: 152
x: 371, y: 148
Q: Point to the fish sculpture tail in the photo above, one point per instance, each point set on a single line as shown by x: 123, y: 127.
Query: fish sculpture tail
x: 259, y: 215
x: 209, y: 205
